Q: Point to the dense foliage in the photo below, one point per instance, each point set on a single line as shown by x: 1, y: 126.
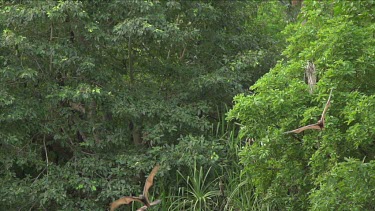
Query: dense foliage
x: 331, y: 169
x: 94, y: 93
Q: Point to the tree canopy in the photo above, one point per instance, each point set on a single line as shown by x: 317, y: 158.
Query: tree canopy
x: 317, y: 170
x: 94, y: 94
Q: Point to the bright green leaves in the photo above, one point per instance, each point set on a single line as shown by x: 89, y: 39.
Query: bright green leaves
x: 359, y: 115
x: 64, y: 9
x: 246, y: 60
x: 134, y: 27
x: 5, y: 98
x: 151, y: 22
x: 285, y: 167
x: 349, y: 185
x: 9, y: 38
x: 82, y: 92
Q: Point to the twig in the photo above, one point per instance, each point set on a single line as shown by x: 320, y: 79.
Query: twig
x: 51, y: 56
x: 169, y: 51
x: 296, y: 137
x: 87, y: 153
x: 36, y: 178
x: 183, y: 53
x: 46, y: 153
x: 131, y: 74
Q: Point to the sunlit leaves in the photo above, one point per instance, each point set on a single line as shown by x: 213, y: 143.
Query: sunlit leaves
x: 348, y: 186
x: 341, y: 46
